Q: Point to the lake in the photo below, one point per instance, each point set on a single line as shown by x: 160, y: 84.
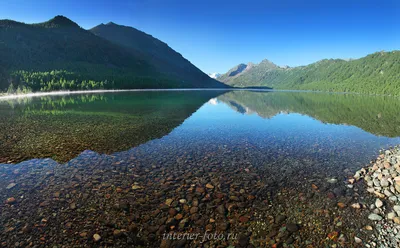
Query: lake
x: 132, y: 166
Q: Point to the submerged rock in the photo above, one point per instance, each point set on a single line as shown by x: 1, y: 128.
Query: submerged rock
x: 375, y: 217
x: 11, y: 185
x: 96, y: 237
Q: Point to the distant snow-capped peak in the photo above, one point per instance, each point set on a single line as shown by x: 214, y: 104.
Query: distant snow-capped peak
x: 214, y: 75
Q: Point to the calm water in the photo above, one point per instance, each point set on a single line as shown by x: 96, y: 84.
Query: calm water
x: 342, y: 129
x: 261, y: 151
x: 334, y: 131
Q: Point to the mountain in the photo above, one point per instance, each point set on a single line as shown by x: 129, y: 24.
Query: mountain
x: 377, y: 73
x: 58, y: 54
x: 158, y: 53
x: 214, y: 75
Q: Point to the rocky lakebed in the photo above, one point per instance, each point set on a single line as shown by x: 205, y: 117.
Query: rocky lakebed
x: 129, y: 201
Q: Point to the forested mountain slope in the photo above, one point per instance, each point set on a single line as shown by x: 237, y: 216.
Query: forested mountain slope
x: 58, y: 54
x: 377, y: 73
x: 158, y: 53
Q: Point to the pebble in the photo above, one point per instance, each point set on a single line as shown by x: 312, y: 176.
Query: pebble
x: 117, y: 233
x: 369, y: 228
x: 11, y: 200
x: 384, y: 182
x: 378, y: 203
x: 168, y: 202
x: 11, y: 185
x: 209, y: 186
x: 96, y: 237
x: 332, y: 180
x: 292, y: 227
x: 221, y: 210
x: 194, y: 210
x: 135, y: 187
x: 391, y: 215
x: 358, y: 240
x: 387, y: 193
x: 374, y: 217
x: 280, y: 218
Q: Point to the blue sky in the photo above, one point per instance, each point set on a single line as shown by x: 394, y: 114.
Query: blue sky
x: 217, y: 35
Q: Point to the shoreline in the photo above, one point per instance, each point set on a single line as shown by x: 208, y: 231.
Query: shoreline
x: 380, y: 182
x: 59, y: 93
x: 5, y: 96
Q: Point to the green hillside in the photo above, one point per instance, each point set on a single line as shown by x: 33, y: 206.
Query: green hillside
x: 377, y: 73
x: 164, y: 58
x: 58, y: 54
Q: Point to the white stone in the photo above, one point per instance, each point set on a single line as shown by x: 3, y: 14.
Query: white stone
x: 391, y: 215
x: 387, y: 193
x: 332, y: 180
x: 384, y: 182
x: 96, y: 237
x: 397, y: 187
x: 378, y: 203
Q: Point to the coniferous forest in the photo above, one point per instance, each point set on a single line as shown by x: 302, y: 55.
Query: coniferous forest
x: 377, y: 73
x: 60, y: 55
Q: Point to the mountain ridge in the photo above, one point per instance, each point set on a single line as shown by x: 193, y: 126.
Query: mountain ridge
x: 58, y: 55
x: 377, y: 73
x: 165, y: 59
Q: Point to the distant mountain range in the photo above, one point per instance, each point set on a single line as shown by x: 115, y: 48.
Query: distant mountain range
x: 214, y: 75
x: 376, y: 73
x: 58, y: 54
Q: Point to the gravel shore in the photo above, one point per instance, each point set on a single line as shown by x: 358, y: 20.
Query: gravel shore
x: 382, y: 180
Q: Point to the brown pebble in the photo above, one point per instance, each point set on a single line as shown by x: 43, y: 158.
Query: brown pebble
x: 11, y: 200
x: 209, y: 186
x: 194, y: 210
x: 179, y: 216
